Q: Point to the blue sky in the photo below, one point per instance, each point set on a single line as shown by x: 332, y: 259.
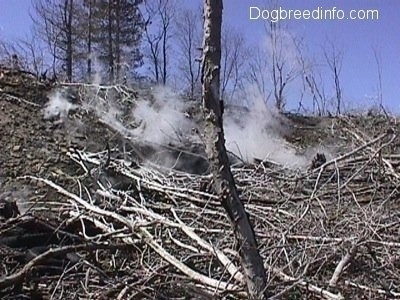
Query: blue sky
x: 355, y: 38
x: 14, y: 18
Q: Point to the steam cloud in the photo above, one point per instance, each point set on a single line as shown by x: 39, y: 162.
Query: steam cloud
x: 160, y: 120
x: 163, y: 121
x: 57, y: 106
x: 258, y: 134
x: 253, y: 134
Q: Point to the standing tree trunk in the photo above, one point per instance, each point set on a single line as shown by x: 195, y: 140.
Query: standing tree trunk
x: 69, y: 53
x: 89, y: 40
x: 251, y: 261
x: 118, y: 40
x: 110, y: 41
x: 165, y: 22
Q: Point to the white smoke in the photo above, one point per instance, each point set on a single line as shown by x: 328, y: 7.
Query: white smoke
x: 57, y: 106
x: 162, y: 120
x: 159, y: 119
x: 257, y: 134
x: 111, y: 115
x: 250, y: 135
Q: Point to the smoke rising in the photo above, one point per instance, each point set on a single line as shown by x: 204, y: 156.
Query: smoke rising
x: 257, y: 133
x: 160, y: 119
x: 57, y: 106
x: 163, y: 120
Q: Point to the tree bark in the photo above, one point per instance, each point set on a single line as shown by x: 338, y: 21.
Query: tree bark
x: 118, y: 40
x: 68, y: 12
x: 110, y: 41
x: 251, y: 261
x: 89, y: 41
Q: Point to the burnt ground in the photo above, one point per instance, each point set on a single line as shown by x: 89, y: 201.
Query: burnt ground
x: 54, y: 246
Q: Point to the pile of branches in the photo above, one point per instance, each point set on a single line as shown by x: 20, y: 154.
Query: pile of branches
x: 118, y: 229
x: 328, y: 232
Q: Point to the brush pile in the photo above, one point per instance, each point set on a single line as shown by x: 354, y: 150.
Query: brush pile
x: 97, y: 225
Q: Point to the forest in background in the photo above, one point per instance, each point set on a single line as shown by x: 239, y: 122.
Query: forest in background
x: 159, y: 42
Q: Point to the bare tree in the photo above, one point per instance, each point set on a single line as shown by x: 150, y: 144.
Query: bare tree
x: 55, y: 23
x: 312, y: 83
x: 74, y: 29
x: 153, y: 41
x: 334, y: 60
x: 251, y: 260
x: 158, y: 16
x: 110, y: 53
x: 274, y: 66
x: 28, y: 52
x: 234, y: 55
x: 89, y: 32
x: 188, y: 39
x: 257, y: 73
x: 68, y: 9
x: 378, y: 61
x: 10, y: 56
x: 283, y: 67
x: 316, y: 89
x: 33, y: 52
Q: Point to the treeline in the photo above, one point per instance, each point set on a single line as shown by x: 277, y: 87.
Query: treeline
x: 123, y: 41
x: 119, y: 40
x: 83, y: 35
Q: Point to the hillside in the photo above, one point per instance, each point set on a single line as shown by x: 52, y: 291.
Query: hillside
x: 95, y: 203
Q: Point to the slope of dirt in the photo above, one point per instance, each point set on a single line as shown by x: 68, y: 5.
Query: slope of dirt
x: 82, y: 215
x: 34, y: 146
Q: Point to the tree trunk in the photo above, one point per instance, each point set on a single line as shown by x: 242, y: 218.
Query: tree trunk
x: 164, y: 51
x: 118, y: 41
x: 89, y: 42
x: 110, y: 42
x: 251, y: 261
x: 68, y: 17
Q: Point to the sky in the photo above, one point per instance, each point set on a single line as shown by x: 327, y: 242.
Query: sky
x: 355, y: 38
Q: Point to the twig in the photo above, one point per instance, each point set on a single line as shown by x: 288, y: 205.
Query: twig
x: 19, y: 276
x: 342, y: 264
x: 370, y: 289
